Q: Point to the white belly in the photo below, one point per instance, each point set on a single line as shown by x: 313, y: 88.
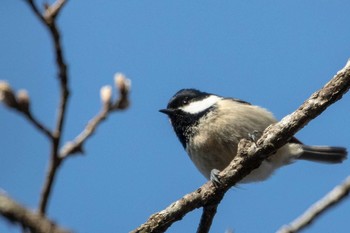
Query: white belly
x: 206, y: 162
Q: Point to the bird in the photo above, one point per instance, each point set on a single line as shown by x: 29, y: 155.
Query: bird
x: 210, y: 126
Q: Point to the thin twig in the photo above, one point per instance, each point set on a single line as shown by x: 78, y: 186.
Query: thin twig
x: 22, y: 105
x: 64, y: 90
x: 38, y: 125
x: 36, y: 10
x: 48, y: 19
x: 208, y: 215
x: 37, y: 223
x: 51, y: 173
x: 250, y: 155
x: 62, y: 77
x: 52, y: 11
x: 332, y: 198
x: 77, y: 145
x: 123, y: 86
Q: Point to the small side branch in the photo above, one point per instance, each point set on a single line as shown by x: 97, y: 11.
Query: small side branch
x: 123, y: 86
x: 36, y: 10
x: 76, y: 146
x: 20, y: 102
x: 52, y: 11
x: 37, y: 223
x: 334, y: 197
x: 38, y: 125
x: 208, y: 215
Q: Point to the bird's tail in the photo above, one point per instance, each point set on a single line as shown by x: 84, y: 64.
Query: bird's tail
x: 324, y: 154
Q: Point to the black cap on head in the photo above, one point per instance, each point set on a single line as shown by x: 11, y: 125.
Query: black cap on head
x: 185, y: 96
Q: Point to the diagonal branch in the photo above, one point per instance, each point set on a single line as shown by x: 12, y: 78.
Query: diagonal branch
x: 123, y: 85
x: 52, y: 11
x: 332, y: 198
x: 35, y: 222
x: 38, y: 125
x: 250, y: 155
x: 36, y: 10
x: 76, y: 146
x: 20, y: 102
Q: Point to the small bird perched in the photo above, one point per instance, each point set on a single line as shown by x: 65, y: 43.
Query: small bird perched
x: 210, y: 126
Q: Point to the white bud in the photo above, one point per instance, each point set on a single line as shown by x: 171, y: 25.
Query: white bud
x: 122, y: 83
x: 106, y: 94
x: 23, y: 100
x: 6, y: 95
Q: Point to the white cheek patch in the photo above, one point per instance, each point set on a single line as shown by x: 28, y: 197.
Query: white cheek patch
x: 201, y: 105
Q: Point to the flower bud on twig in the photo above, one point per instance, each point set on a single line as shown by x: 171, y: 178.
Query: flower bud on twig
x: 106, y: 95
x: 7, y: 96
x: 122, y: 83
x: 23, y: 100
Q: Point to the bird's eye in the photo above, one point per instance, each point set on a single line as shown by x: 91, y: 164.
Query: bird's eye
x: 185, y: 101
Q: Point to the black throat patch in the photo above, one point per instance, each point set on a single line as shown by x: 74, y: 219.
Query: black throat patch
x: 185, y: 124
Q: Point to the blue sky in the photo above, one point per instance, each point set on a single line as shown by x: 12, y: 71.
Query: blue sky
x: 273, y: 54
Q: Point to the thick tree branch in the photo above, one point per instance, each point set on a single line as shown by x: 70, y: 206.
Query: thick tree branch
x: 332, y: 198
x: 33, y: 221
x: 250, y: 155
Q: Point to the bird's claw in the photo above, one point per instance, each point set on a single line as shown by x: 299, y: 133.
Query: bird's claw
x: 254, y: 136
x: 214, y: 177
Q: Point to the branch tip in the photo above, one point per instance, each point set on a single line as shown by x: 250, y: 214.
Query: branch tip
x: 23, y: 100
x: 7, y: 95
x: 106, y: 95
x: 334, y: 197
x: 123, y: 85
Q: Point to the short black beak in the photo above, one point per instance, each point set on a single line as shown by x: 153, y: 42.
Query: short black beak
x: 168, y: 112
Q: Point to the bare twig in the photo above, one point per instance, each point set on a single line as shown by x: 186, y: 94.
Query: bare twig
x: 48, y: 19
x: 36, y: 10
x: 52, y: 11
x: 56, y: 158
x: 21, y: 103
x: 48, y: 183
x: 332, y: 198
x: 250, y: 155
x: 76, y: 146
x: 208, y: 215
x: 123, y: 87
x: 33, y: 221
x: 38, y: 125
